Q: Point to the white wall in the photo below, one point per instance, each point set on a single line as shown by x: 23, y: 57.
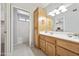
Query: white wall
x: 8, y: 29
x: 2, y: 23
x: 5, y: 16
x: 71, y: 18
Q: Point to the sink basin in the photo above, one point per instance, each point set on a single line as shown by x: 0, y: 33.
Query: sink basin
x: 73, y: 36
x: 49, y: 33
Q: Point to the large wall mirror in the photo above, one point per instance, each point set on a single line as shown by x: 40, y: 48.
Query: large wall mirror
x: 66, y: 20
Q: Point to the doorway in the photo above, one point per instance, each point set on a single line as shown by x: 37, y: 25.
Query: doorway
x: 21, y: 28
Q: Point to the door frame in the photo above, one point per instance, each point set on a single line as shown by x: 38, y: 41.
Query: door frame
x: 30, y: 31
x: 0, y: 29
x: 8, y: 25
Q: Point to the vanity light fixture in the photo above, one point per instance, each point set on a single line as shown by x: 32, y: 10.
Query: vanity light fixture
x: 27, y: 20
x: 51, y: 14
x: 54, y: 12
x: 57, y: 12
x: 62, y: 8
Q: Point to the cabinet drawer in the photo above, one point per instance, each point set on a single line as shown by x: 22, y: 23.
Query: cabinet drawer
x: 69, y: 45
x: 42, y: 37
x: 50, y: 39
x: 64, y: 52
x: 36, y: 37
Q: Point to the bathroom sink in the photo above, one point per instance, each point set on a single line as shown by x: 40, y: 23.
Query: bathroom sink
x: 73, y: 36
x: 50, y: 33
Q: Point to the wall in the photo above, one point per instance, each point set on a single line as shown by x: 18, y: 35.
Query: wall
x: 8, y: 27
x: 71, y: 18
x: 5, y: 17
x: 0, y: 29
x: 3, y: 23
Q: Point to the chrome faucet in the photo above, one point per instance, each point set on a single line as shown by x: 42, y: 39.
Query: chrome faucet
x: 76, y: 34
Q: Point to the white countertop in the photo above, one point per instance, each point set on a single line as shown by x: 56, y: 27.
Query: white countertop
x: 62, y: 35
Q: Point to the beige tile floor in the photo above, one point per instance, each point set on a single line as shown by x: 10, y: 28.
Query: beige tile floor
x: 25, y: 50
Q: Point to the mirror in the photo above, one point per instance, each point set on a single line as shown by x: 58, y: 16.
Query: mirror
x: 65, y: 21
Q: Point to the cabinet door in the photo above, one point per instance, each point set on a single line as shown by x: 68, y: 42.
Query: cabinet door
x: 72, y: 46
x: 36, y: 19
x: 50, y: 49
x: 36, y: 28
x: 64, y: 52
x: 36, y: 39
x: 42, y: 44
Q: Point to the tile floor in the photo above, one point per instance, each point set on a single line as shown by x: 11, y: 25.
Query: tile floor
x: 25, y: 50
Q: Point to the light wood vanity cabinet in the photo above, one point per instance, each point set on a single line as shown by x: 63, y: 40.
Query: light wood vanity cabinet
x: 67, y: 48
x: 43, y: 45
x: 50, y: 49
x: 64, y: 52
x: 50, y: 39
x: 47, y: 45
x: 36, y: 39
x: 39, y: 12
x: 50, y: 46
x: 55, y: 46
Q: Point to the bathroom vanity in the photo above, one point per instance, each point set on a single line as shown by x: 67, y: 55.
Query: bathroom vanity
x: 52, y: 43
x: 59, y: 44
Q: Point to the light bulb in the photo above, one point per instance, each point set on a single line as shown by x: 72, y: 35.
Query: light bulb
x: 64, y: 10
x: 57, y: 12
x: 51, y: 14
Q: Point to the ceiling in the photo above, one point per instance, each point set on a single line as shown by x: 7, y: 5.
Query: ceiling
x: 30, y: 6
